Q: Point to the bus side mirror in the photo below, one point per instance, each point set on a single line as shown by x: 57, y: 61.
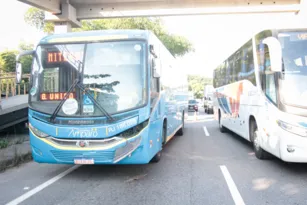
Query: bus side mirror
x: 275, y: 52
x: 18, y: 72
x: 155, y: 69
x: 19, y: 66
x: 152, y: 51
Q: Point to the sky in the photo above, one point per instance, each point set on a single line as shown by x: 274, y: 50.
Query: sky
x: 214, y: 37
x: 13, y: 28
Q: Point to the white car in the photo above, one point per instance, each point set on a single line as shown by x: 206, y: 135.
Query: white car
x: 208, y: 104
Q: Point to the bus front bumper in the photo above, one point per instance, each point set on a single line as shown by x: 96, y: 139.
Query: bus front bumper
x: 52, y: 150
x: 293, y: 148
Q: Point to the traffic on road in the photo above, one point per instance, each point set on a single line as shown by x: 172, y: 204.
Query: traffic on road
x: 96, y: 113
x: 204, y: 166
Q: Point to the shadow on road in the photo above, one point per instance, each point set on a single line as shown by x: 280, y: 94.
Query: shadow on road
x: 292, y: 168
x: 127, y: 172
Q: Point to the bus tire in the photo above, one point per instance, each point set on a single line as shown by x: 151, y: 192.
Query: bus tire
x: 259, y: 152
x: 222, y: 128
x: 180, y: 131
x: 158, y: 156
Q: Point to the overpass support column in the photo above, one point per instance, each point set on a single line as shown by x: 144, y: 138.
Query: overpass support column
x: 62, y: 27
x: 64, y: 21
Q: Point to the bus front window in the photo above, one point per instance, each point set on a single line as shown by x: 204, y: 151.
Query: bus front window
x: 114, y: 73
x: 294, y: 51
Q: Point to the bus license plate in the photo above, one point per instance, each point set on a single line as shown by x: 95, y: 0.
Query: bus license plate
x: 84, y: 161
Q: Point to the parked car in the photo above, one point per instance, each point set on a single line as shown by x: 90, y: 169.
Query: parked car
x: 193, y: 105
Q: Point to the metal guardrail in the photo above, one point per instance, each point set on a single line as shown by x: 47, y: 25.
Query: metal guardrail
x: 8, y: 86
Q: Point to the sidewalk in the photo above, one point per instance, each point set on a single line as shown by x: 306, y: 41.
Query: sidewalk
x: 14, y: 155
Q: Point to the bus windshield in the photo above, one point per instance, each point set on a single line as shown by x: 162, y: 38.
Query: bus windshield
x: 294, y: 51
x: 114, y: 73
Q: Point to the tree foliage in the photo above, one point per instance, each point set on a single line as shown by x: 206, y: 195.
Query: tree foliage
x: 8, y: 59
x: 197, y: 84
x: 177, y: 45
x: 35, y: 17
x: 26, y: 61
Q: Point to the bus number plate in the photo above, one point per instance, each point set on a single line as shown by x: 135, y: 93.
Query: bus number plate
x: 84, y: 161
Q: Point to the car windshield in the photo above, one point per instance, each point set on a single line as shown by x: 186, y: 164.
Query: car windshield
x: 294, y: 51
x: 192, y: 101
x: 113, y: 73
x: 181, y: 98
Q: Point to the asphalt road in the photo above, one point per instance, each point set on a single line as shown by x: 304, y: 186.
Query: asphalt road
x: 201, y: 167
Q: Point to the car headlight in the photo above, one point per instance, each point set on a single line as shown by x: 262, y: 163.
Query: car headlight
x: 37, y: 132
x: 292, y: 128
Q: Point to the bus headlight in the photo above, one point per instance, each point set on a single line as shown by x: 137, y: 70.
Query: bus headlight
x: 37, y: 132
x: 134, y: 130
x: 292, y: 128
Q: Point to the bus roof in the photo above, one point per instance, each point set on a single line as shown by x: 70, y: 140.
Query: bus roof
x: 99, y: 35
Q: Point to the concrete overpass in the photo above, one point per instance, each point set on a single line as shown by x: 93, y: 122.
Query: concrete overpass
x: 68, y: 13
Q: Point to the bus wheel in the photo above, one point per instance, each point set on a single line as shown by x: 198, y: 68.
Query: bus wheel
x: 222, y: 128
x: 158, y: 156
x: 180, y: 131
x: 259, y: 152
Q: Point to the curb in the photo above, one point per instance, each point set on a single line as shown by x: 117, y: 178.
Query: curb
x: 14, y: 155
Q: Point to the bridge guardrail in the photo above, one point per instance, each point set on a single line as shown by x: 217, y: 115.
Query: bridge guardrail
x: 8, y: 86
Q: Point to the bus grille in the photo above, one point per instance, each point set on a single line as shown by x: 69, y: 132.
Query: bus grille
x: 69, y: 156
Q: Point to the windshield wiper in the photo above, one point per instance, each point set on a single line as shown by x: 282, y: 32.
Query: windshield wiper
x: 96, y: 103
x: 57, y: 109
x: 76, y: 83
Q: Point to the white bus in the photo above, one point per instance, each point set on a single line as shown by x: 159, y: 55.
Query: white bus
x: 261, y: 94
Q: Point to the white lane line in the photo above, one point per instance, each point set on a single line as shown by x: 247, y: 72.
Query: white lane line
x: 232, y: 186
x: 206, y: 131
x: 208, y: 120
x: 42, y: 186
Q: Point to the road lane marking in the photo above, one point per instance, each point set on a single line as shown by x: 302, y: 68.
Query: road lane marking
x: 42, y: 186
x: 232, y: 186
x: 206, y: 131
x: 208, y: 120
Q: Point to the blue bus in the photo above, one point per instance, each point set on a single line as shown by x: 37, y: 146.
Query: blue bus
x: 103, y: 97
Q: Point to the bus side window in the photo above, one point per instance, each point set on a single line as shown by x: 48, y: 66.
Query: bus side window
x: 268, y: 82
x: 154, y: 84
x: 270, y: 87
x: 264, y: 63
x: 264, y: 60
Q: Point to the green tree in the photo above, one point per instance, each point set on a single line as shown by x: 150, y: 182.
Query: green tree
x: 197, y: 84
x: 1, y: 64
x: 26, y: 61
x: 177, y: 45
x: 35, y: 17
x: 8, y: 59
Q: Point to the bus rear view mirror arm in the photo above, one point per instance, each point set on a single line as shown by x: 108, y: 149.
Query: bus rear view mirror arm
x: 275, y: 52
x: 19, y: 65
